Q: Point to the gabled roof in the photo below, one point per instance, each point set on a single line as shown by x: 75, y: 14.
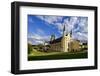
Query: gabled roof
x: 56, y: 40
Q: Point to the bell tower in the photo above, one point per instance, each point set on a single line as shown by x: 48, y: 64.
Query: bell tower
x: 64, y: 40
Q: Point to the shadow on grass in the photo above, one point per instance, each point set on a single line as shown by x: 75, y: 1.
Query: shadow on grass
x: 59, y: 56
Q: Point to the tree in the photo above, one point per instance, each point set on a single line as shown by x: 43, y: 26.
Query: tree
x: 29, y: 48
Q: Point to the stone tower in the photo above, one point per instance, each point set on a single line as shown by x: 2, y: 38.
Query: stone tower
x: 52, y: 37
x: 65, y: 40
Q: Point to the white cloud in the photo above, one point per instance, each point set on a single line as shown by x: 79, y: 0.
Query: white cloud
x: 50, y: 19
x: 31, y: 20
x: 82, y: 29
x: 34, y: 41
x: 57, y: 21
x: 40, y: 32
x: 38, y: 38
x: 83, y: 23
x: 40, y: 17
x: 80, y: 36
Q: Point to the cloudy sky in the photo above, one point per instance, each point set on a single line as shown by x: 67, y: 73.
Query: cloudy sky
x: 41, y: 27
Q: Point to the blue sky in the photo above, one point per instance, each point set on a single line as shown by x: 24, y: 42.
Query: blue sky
x: 41, y: 27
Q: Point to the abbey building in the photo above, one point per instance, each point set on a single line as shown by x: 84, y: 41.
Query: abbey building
x: 64, y: 43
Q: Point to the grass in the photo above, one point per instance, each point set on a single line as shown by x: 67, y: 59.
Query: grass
x: 36, y: 55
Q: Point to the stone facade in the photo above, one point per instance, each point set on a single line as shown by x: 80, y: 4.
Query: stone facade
x: 64, y: 43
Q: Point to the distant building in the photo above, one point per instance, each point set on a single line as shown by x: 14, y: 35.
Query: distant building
x: 64, y: 43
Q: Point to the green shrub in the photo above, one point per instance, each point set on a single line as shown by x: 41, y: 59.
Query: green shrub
x: 29, y: 48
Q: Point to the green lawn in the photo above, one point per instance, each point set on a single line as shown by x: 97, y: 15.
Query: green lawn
x: 36, y: 55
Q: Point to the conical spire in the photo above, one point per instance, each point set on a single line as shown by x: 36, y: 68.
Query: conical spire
x: 64, y: 31
x: 64, y: 28
x: 71, y: 33
x: 52, y: 37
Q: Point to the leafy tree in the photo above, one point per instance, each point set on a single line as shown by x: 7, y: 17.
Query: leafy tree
x: 29, y: 48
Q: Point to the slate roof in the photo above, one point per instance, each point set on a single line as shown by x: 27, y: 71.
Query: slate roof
x: 56, y: 40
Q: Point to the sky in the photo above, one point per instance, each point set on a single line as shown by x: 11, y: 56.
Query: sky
x: 41, y: 27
